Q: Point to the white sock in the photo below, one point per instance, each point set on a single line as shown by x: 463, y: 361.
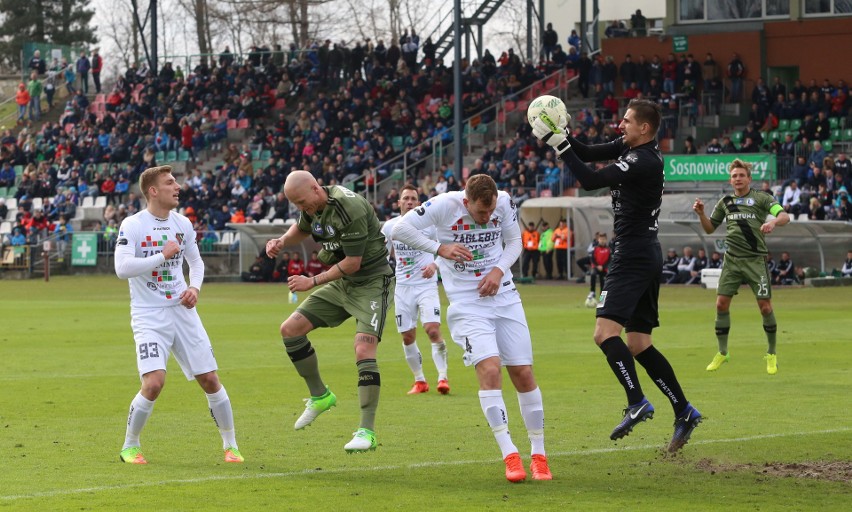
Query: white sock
x: 140, y: 410
x: 414, y: 360
x: 492, y: 404
x: 439, y: 355
x: 533, y: 412
x: 220, y: 409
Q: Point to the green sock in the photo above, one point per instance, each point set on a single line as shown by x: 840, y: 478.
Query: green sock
x: 305, y: 360
x: 771, y: 329
x: 369, y: 384
x: 723, y: 326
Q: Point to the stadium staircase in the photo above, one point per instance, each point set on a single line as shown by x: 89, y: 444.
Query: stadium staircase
x: 444, y: 42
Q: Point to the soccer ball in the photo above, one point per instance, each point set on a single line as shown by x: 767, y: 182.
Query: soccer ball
x: 591, y: 302
x: 550, y: 105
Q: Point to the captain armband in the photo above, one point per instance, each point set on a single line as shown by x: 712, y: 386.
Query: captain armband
x: 775, y: 210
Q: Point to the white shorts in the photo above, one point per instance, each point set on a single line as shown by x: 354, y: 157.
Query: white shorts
x: 492, y: 326
x: 159, y: 332
x: 413, y: 301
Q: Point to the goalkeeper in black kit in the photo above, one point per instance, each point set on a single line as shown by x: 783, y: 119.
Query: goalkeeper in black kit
x: 629, y: 298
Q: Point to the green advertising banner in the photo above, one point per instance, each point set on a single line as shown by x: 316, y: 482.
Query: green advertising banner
x: 680, y: 44
x: 715, y: 167
x: 84, y: 250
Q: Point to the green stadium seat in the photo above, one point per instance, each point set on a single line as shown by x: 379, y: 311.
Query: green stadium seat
x: 827, y: 145
x: 795, y: 124
x: 265, y: 155
x: 784, y: 125
x: 171, y: 156
x: 397, y: 143
x: 255, y: 154
x: 19, y: 170
x: 737, y: 137
x: 846, y: 135
x: 775, y: 135
x: 3, y: 192
x: 183, y: 155
x: 160, y: 156
x: 11, y: 191
x: 836, y: 133
x: 834, y: 122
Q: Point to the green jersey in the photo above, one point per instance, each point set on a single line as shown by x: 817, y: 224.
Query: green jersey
x: 545, y: 243
x: 744, y: 216
x: 348, y: 226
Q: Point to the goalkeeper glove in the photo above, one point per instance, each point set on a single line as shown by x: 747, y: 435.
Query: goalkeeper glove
x: 546, y: 130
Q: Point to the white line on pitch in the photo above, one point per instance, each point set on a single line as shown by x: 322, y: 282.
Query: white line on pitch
x: 361, y: 469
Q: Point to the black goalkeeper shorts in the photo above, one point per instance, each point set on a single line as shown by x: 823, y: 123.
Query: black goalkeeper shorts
x: 632, y: 287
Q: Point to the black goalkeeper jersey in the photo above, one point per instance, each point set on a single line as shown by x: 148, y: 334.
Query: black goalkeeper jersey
x: 635, y: 179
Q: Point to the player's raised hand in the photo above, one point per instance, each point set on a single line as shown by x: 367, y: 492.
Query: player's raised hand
x: 273, y: 247
x: 170, y: 249
x: 698, y: 206
x: 546, y: 130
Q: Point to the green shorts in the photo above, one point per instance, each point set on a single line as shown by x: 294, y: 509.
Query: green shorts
x: 751, y: 271
x: 367, y: 299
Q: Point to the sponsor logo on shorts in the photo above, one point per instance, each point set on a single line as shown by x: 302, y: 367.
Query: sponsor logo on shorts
x: 329, y: 230
x: 602, y: 300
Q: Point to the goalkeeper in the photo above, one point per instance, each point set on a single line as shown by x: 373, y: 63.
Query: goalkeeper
x: 629, y: 298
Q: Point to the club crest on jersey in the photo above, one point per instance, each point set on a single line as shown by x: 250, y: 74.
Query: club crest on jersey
x: 318, y: 228
x: 329, y: 230
x: 495, y: 221
x: 744, y: 200
x: 179, y: 237
x: 631, y: 158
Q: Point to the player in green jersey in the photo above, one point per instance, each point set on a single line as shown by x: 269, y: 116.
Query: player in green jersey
x: 745, y: 212
x: 359, y: 284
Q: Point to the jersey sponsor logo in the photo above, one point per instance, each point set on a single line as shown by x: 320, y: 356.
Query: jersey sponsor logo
x: 318, y: 228
x: 330, y: 230
x: 624, y: 166
x: 471, y: 238
x: 743, y: 200
x: 122, y: 241
x: 152, y: 286
x: 161, y: 228
x: 631, y: 158
x: 458, y: 266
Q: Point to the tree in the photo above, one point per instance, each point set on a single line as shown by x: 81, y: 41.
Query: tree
x: 63, y: 22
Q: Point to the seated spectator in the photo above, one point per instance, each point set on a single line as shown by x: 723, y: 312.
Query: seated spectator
x: 686, y: 268
x: 846, y: 271
x: 792, y: 200
x: 670, y: 267
x: 296, y: 266
x: 785, y: 271
x: 282, y: 270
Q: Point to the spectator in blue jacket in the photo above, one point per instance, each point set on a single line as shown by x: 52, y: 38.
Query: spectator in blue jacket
x: 83, y: 67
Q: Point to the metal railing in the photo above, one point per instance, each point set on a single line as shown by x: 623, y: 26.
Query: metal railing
x: 400, y: 166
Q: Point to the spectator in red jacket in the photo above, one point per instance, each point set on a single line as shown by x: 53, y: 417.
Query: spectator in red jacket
x: 600, y: 263
x: 314, y: 265
x: 186, y: 134
x: 97, y: 66
x: 296, y: 266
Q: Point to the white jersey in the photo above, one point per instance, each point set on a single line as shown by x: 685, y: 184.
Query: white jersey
x: 154, y: 281
x: 409, y: 262
x: 494, y: 244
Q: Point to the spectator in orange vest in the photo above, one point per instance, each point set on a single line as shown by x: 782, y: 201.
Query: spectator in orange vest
x: 22, y: 98
x: 530, y: 238
x: 561, y: 243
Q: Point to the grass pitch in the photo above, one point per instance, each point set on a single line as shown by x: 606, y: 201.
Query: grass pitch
x: 767, y: 442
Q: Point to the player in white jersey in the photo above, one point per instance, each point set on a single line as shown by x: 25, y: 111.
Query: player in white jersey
x: 416, y: 294
x: 149, y: 253
x: 478, y: 239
